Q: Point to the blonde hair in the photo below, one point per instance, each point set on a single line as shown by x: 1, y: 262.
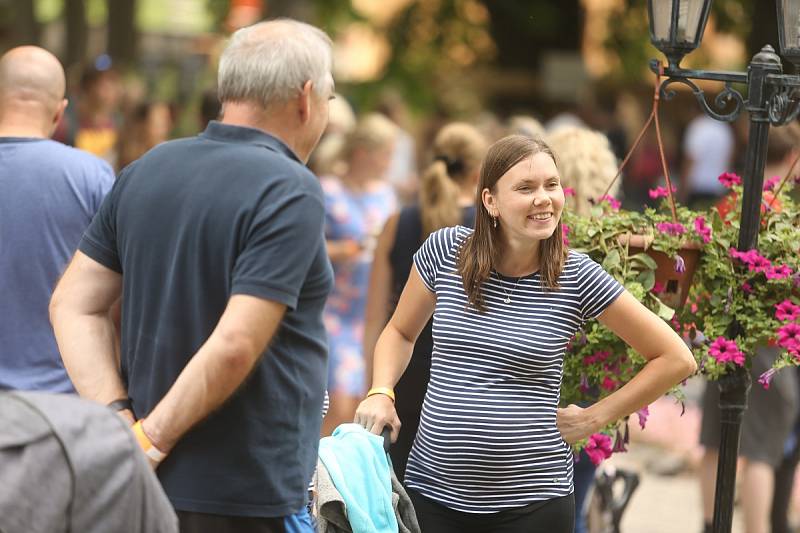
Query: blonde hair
x: 373, y: 132
x: 458, y: 150
x: 586, y: 163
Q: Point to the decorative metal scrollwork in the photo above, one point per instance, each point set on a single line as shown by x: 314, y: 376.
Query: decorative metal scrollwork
x: 784, y: 105
x: 721, y: 102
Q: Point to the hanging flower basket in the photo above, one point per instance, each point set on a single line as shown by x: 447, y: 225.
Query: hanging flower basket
x: 674, y: 275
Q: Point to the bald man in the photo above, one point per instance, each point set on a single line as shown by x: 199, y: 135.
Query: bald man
x: 48, y: 195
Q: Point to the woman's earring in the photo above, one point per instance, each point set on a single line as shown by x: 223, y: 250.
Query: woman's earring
x: 494, y: 221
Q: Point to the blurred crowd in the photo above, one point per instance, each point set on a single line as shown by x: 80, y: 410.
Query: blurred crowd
x: 383, y: 167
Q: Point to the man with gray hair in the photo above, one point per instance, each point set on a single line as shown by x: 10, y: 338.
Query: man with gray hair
x: 48, y: 195
x: 220, y: 239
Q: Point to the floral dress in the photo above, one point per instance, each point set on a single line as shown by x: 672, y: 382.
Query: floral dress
x: 357, y: 216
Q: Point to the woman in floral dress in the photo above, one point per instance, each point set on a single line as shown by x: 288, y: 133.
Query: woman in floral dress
x: 357, y: 206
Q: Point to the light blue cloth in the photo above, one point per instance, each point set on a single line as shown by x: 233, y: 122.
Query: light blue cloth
x: 360, y: 470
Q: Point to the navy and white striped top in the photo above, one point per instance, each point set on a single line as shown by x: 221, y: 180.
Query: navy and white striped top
x: 487, y: 440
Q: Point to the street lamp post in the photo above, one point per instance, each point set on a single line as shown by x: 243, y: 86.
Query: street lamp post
x: 773, y: 98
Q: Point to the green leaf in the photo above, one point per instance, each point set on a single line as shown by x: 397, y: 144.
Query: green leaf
x: 665, y: 311
x: 647, y: 279
x: 612, y: 260
x: 645, y: 259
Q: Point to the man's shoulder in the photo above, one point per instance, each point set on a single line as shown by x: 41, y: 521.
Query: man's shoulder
x: 70, y: 154
x: 256, y: 158
x: 72, y: 161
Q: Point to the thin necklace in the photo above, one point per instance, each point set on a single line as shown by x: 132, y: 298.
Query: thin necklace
x: 503, y: 286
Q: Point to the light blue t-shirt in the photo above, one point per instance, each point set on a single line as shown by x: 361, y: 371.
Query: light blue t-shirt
x: 49, y: 193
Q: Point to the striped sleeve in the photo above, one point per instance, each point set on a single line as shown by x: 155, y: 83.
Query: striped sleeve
x: 598, y: 289
x: 428, y: 259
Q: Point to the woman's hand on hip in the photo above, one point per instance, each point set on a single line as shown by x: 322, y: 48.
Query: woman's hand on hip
x: 573, y: 424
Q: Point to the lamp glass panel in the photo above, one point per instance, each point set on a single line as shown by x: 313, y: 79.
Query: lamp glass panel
x: 689, y: 15
x: 791, y: 25
x: 662, y: 14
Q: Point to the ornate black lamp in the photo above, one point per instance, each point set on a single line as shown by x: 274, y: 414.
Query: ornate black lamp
x: 773, y: 98
x: 677, y: 26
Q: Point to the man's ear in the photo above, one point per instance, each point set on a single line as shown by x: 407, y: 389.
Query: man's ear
x: 304, y: 102
x: 58, y: 115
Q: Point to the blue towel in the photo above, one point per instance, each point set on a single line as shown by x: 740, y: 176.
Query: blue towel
x: 360, y: 470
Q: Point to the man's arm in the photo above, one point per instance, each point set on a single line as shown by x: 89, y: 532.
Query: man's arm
x: 80, y: 314
x: 79, y: 311
x: 216, y: 370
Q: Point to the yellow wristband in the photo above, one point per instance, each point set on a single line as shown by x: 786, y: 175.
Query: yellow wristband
x: 146, y: 444
x: 386, y: 391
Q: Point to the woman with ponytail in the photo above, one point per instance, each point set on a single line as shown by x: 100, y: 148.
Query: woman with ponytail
x: 446, y: 198
x: 493, y: 449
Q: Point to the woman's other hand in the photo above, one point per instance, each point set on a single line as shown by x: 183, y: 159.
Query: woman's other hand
x: 375, y: 413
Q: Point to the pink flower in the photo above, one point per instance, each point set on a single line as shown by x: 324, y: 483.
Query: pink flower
x: 613, y: 202
x: 729, y: 179
x: 660, y: 192
x: 787, y: 311
x: 751, y: 258
x: 608, y: 383
x: 598, y: 448
x: 596, y: 357
x: 658, y: 288
x: 759, y: 263
x: 724, y: 350
x: 779, y: 272
x: 643, y: 413
x: 771, y: 183
x: 747, y: 288
x: 569, y: 191
x: 766, y: 378
x: 671, y: 228
x: 736, y: 254
x: 789, y: 336
x: 680, y: 264
x: 702, y: 230
x: 564, y: 234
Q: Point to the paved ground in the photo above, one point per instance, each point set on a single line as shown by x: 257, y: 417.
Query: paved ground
x: 662, y: 504
x: 666, y: 455
x: 667, y: 503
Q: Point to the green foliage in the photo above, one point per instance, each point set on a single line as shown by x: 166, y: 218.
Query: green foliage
x: 723, y: 289
x: 604, y: 237
x: 726, y: 289
x: 430, y: 42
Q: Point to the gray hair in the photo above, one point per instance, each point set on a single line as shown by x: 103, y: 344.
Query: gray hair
x: 270, y: 61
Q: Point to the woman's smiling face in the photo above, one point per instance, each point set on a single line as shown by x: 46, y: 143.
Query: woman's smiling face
x: 528, y: 199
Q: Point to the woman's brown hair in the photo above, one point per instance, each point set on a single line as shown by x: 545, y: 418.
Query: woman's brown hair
x: 482, y: 250
x: 458, y: 150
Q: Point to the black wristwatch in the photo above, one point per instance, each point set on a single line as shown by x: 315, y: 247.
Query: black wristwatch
x: 122, y: 404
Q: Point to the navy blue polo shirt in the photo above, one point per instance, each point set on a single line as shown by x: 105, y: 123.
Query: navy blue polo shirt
x: 194, y: 221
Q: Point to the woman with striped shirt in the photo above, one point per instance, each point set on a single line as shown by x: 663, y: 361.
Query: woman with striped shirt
x: 492, y: 453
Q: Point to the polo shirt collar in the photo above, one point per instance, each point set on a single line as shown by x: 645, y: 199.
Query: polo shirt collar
x: 241, y: 134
